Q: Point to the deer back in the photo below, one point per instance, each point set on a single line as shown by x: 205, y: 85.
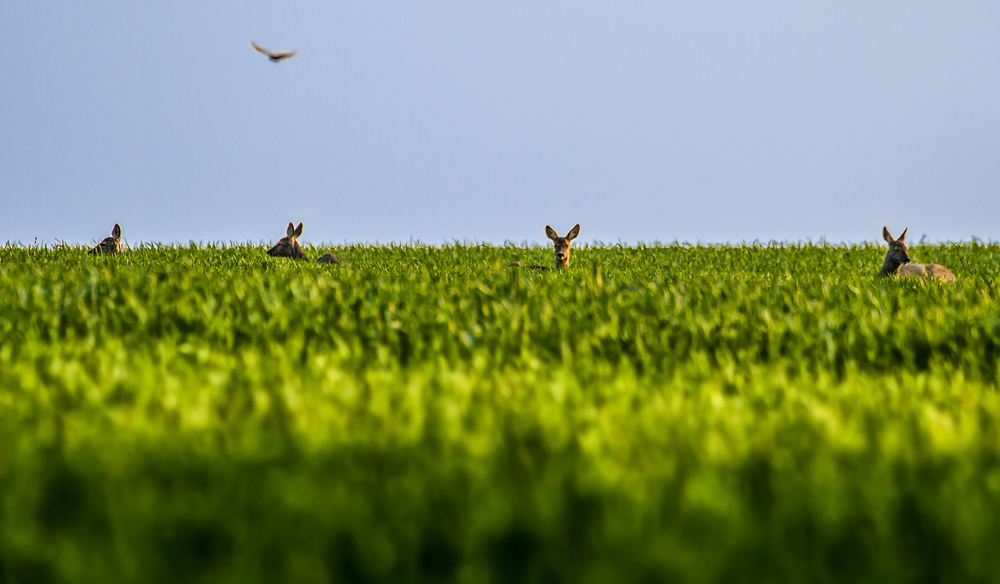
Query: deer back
x: 927, y: 271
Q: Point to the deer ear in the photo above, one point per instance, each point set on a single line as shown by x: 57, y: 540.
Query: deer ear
x: 551, y: 233
x: 886, y: 235
x: 573, y: 232
x: 298, y: 230
x: 902, y: 237
x: 290, y: 231
x: 116, y: 232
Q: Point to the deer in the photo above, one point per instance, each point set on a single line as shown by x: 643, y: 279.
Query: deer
x: 288, y: 247
x: 561, y: 248
x: 897, y: 262
x: 110, y: 245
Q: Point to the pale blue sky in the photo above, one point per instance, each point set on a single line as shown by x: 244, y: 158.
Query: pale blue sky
x: 485, y: 121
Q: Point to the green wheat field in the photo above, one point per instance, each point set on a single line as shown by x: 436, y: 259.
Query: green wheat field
x: 423, y: 414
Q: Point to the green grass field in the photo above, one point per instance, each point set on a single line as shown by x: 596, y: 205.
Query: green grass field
x: 422, y: 414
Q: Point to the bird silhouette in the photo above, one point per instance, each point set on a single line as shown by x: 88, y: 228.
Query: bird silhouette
x: 280, y: 56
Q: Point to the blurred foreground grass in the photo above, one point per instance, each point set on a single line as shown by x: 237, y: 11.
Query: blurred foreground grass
x: 421, y: 414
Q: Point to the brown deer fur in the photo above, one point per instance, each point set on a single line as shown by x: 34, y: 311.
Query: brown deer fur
x: 561, y: 249
x: 110, y: 245
x: 562, y: 244
x: 897, y: 262
x: 288, y: 247
x: 329, y: 259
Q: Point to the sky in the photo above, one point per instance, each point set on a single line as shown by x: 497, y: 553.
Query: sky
x: 445, y: 121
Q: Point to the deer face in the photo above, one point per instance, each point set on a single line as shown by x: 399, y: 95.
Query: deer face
x: 897, y: 255
x: 288, y: 246
x: 110, y: 245
x: 562, y: 244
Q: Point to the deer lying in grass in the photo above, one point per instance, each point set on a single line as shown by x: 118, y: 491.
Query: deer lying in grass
x: 561, y: 248
x: 897, y: 262
x: 110, y: 245
x: 288, y: 247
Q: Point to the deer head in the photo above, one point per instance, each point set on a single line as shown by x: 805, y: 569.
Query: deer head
x: 288, y: 246
x: 562, y: 244
x: 897, y: 255
x: 110, y: 245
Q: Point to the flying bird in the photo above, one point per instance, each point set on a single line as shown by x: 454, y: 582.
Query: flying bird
x: 274, y: 56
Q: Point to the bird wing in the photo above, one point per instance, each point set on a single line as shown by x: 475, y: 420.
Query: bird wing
x: 260, y: 49
x: 284, y: 55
